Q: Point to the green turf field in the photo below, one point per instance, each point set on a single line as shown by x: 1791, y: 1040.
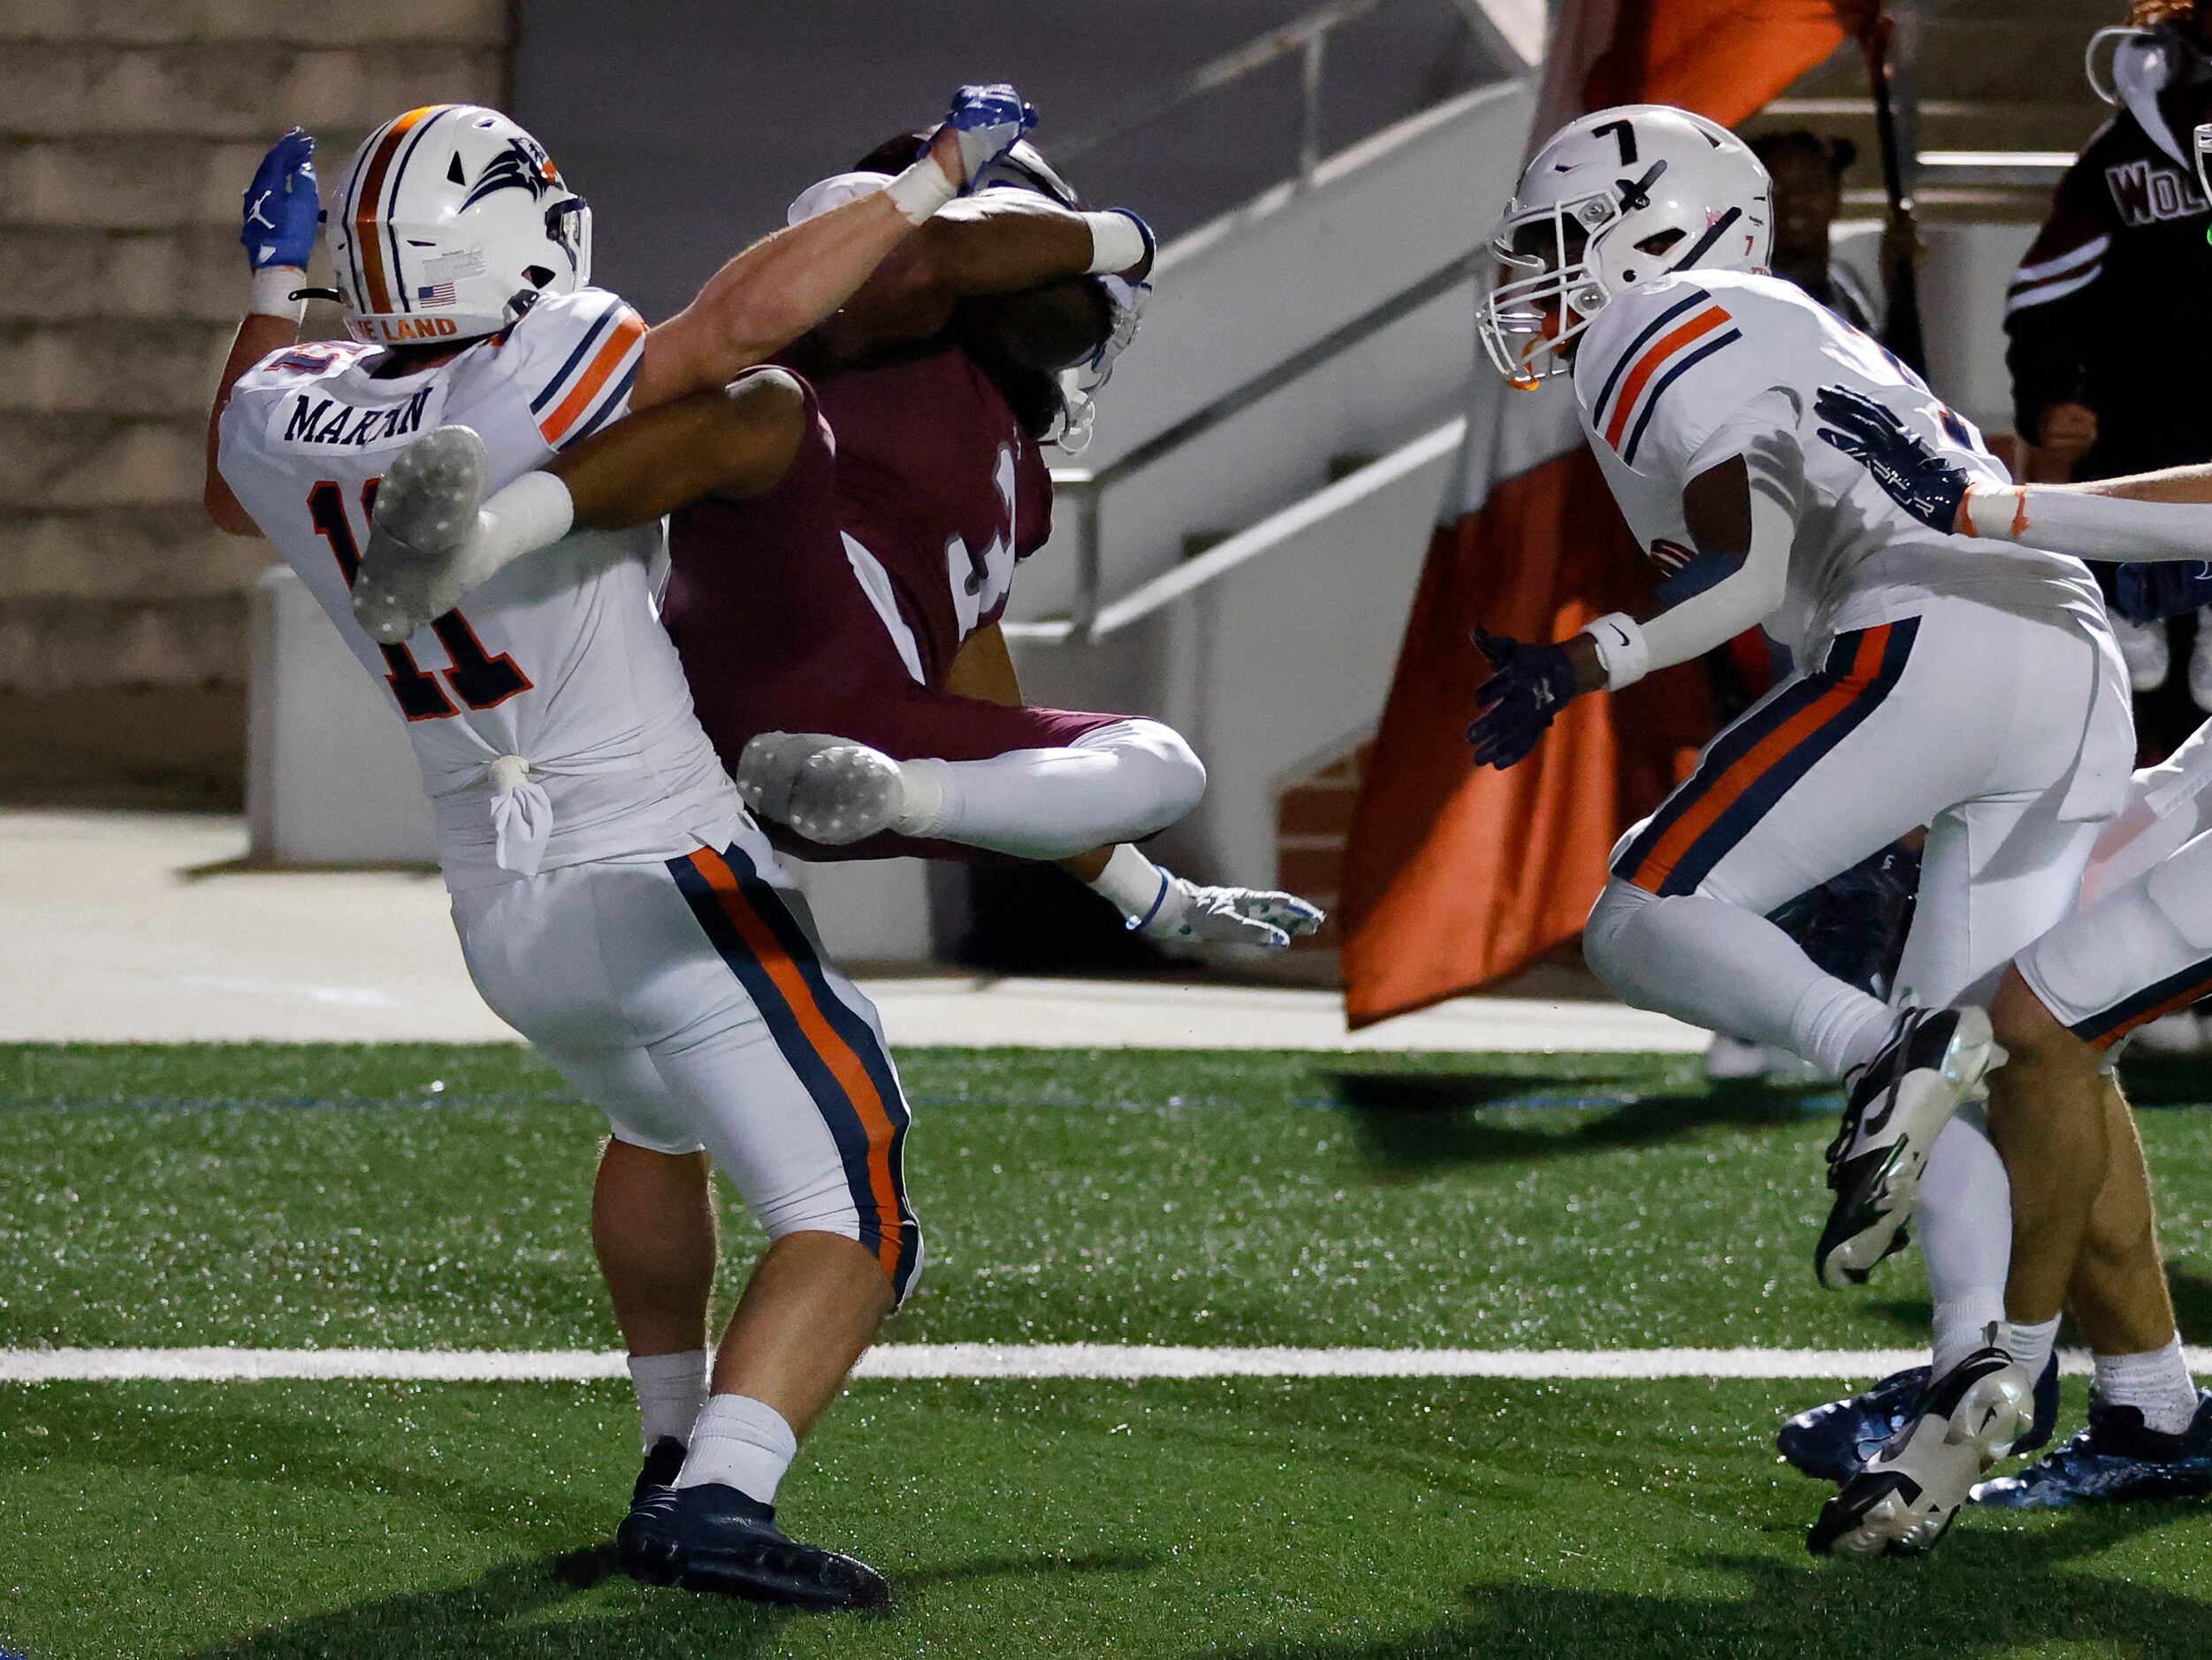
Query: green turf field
x: 421, y: 1197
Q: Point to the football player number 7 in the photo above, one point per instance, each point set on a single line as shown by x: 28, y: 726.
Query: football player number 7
x: 481, y: 680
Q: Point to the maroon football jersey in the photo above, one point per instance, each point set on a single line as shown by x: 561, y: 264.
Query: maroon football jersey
x: 837, y: 601
x: 940, y: 484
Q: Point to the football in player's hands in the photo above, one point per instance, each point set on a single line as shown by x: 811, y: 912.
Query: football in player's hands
x: 1527, y: 687
x: 1911, y: 474
x: 987, y: 120
x: 281, y: 213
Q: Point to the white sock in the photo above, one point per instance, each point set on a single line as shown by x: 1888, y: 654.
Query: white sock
x: 2032, y: 1345
x: 2157, y: 1383
x: 1132, y: 884
x: 1727, y: 968
x: 535, y: 511
x: 922, y: 811
x: 1838, y: 1027
x: 1121, y: 783
x: 1961, y: 1326
x: 1964, y: 1217
x: 740, y: 1442
x: 671, y: 1389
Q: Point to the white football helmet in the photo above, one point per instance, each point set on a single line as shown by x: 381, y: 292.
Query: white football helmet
x: 1617, y: 198
x: 450, y: 222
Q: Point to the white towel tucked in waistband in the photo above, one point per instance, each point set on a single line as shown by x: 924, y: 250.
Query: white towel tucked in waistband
x: 522, y: 817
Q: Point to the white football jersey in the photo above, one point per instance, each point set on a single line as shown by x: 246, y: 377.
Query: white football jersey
x: 560, y: 660
x: 1672, y: 378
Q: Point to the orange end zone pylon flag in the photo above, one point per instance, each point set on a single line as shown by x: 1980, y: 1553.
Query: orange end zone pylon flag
x: 1456, y: 878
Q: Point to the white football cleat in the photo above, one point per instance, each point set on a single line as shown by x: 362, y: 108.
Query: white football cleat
x: 829, y: 789
x: 1907, y: 1494
x: 414, y: 568
x: 1935, y: 1059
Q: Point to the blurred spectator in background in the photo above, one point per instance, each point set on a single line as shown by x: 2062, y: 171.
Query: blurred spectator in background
x: 2110, y: 358
x: 1808, y: 172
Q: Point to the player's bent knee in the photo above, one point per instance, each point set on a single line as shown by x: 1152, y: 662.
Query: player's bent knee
x: 1608, y: 936
x: 1162, y: 767
x: 899, y: 1254
x: 2032, y: 1035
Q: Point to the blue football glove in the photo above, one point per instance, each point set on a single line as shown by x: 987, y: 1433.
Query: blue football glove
x: 2149, y: 592
x: 987, y: 120
x: 1527, y: 687
x: 282, y: 212
x: 1911, y: 474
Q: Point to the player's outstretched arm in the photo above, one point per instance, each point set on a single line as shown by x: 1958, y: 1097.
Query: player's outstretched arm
x: 281, y: 214
x: 2144, y: 517
x: 434, y: 536
x: 786, y: 283
x: 1003, y: 241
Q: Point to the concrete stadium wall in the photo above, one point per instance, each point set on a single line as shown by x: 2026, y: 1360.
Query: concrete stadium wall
x: 127, y: 130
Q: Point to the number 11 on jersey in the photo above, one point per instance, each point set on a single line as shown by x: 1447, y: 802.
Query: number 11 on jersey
x: 482, y: 679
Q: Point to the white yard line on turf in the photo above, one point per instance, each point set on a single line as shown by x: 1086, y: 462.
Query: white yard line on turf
x: 983, y: 1360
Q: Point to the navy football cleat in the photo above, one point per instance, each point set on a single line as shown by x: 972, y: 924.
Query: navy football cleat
x: 1935, y: 1059
x: 664, y: 1460
x: 714, y: 1538
x: 1832, y: 1442
x: 2116, y: 1460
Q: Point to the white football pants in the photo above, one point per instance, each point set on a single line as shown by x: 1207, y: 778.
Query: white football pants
x: 2141, y: 944
x: 2007, y: 735
x: 690, y: 1000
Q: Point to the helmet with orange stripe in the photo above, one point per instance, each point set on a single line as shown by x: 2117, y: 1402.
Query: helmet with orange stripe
x: 449, y: 222
x: 1618, y: 198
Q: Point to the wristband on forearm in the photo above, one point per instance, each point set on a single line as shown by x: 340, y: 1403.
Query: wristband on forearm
x: 2089, y: 525
x: 1994, y: 510
x: 271, y: 295
x: 922, y: 189
x: 1118, y: 241
x: 1623, y: 650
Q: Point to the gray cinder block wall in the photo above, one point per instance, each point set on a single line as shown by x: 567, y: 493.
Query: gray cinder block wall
x: 127, y: 130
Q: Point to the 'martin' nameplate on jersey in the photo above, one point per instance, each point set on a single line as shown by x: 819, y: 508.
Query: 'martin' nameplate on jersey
x: 313, y: 420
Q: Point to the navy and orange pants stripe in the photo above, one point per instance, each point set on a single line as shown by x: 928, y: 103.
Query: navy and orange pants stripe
x: 1750, y: 766
x: 2167, y: 996
x: 833, y: 1051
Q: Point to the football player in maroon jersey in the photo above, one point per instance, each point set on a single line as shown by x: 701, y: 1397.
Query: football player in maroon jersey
x: 844, y: 532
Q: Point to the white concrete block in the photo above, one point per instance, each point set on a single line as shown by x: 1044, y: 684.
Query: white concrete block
x: 331, y: 777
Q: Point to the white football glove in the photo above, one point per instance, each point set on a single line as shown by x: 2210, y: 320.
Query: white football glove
x: 1228, y: 916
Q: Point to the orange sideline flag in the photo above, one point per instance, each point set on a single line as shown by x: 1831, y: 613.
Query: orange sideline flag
x: 1455, y: 877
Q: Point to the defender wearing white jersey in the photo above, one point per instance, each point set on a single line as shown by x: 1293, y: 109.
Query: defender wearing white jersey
x: 2139, y: 946
x: 1943, y: 681
x: 614, y: 903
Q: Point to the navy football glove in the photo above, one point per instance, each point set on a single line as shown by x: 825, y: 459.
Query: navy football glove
x: 282, y: 212
x: 1527, y: 687
x: 2147, y: 592
x: 1911, y: 474
x: 987, y: 120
